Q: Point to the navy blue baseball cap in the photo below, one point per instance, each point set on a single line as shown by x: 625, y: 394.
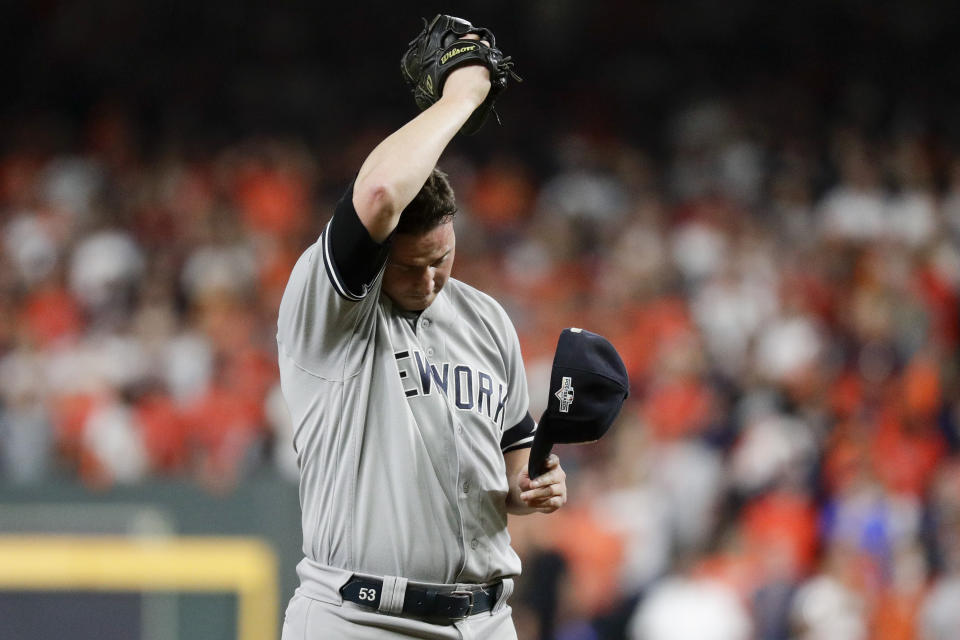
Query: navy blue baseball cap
x: 588, y: 385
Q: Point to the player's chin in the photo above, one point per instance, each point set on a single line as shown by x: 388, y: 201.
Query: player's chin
x: 417, y: 303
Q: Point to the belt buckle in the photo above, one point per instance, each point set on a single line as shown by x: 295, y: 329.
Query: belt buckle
x: 469, y: 594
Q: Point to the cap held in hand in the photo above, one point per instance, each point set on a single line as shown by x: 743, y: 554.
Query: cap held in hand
x: 588, y: 385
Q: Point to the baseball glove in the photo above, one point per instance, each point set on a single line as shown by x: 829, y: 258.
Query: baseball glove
x: 439, y: 49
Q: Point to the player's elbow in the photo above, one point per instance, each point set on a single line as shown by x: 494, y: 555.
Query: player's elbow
x: 377, y: 200
x: 376, y: 205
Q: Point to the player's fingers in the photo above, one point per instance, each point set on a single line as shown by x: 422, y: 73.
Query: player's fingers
x: 552, y: 462
x: 554, y: 475
x: 543, y: 492
x: 474, y: 36
x: 559, y: 489
x: 550, y: 505
x: 523, y: 480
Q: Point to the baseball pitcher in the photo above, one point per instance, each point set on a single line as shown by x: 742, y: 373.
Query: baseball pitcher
x: 406, y: 388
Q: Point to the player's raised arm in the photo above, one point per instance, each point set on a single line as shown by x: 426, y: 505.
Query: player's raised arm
x: 396, y: 169
x: 455, y: 73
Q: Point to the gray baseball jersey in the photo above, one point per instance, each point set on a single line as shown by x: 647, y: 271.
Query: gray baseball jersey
x: 400, y: 422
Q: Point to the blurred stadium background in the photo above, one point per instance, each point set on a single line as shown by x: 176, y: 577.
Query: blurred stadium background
x: 758, y: 204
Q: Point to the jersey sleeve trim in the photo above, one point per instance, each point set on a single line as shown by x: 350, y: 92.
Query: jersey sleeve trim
x: 351, y: 258
x: 519, y: 436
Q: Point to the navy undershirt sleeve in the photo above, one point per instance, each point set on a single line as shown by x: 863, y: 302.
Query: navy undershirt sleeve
x: 356, y: 258
x: 520, y: 436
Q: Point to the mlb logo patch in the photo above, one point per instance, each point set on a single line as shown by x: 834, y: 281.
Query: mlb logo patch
x: 565, y: 394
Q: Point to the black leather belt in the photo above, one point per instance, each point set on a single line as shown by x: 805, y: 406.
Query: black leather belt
x: 422, y: 602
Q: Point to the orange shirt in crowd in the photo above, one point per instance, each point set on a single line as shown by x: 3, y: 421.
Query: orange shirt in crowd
x: 784, y: 521
x: 273, y: 202
x: 50, y: 314
x: 904, y: 455
x: 594, y: 556
x: 679, y: 408
x: 895, y: 616
x: 164, y: 432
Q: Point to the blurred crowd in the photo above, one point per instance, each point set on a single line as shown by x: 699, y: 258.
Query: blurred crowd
x: 787, y: 465
x: 788, y: 462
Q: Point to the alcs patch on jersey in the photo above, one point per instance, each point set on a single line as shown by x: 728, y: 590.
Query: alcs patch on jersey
x: 469, y: 388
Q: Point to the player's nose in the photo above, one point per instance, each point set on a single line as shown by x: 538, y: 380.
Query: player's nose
x: 424, y: 284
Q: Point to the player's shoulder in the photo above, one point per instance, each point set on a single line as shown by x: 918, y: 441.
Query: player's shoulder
x: 462, y: 293
x: 478, y: 308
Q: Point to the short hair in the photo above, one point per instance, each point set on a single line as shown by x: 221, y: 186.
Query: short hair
x: 433, y: 206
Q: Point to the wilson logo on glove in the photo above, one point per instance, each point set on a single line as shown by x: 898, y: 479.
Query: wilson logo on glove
x: 441, y: 48
x: 455, y: 52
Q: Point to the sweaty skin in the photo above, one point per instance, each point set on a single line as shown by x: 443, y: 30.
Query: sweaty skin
x: 398, y: 167
x: 418, y: 267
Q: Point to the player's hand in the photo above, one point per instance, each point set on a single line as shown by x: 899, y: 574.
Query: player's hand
x: 470, y: 82
x: 545, y: 493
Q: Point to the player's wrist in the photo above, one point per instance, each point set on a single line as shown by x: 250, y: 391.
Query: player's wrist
x: 463, y: 104
x: 469, y: 66
x: 469, y: 91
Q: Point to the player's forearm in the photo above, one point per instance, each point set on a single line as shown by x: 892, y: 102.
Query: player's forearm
x: 396, y: 169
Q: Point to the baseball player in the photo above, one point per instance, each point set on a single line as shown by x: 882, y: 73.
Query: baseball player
x: 407, y: 393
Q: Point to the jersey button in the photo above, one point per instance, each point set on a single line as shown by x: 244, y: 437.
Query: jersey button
x: 425, y: 323
x: 430, y: 352
x: 466, y: 486
x: 474, y: 544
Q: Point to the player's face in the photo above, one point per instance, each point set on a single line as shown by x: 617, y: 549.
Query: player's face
x: 419, y: 266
